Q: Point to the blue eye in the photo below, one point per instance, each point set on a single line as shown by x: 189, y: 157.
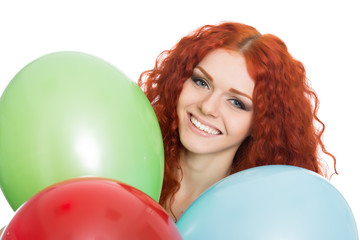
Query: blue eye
x: 238, y: 104
x: 200, y: 82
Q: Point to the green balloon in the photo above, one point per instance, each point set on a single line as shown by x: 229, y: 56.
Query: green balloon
x: 69, y: 114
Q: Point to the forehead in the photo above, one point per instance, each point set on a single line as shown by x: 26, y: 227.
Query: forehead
x: 228, y: 67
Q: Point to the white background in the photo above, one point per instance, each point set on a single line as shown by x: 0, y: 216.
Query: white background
x: 324, y: 35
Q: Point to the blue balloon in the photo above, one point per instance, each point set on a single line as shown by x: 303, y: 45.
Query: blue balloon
x: 273, y: 203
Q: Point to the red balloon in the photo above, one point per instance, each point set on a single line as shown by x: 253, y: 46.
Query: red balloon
x: 91, y: 208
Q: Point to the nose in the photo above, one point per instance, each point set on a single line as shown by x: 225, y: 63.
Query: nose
x: 210, y: 105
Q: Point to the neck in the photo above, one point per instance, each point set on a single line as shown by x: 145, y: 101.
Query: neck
x: 201, y: 171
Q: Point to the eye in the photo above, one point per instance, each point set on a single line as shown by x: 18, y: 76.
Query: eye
x: 200, y: 82
x: 238, y: 104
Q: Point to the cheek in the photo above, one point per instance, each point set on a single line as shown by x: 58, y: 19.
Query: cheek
x: 180, y: 100
x: 240, y: 126
x: 180, y: 105
x: 183, y: 93
x: 188, y: 96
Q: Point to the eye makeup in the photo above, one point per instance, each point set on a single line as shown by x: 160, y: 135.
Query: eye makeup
x: 200, y: 75
x: 206, y: 74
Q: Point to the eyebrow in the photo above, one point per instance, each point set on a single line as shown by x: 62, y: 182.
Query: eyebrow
x: 207, y: 75
x: 240, y: 93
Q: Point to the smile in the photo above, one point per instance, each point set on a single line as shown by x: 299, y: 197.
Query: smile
x: 203, y: 127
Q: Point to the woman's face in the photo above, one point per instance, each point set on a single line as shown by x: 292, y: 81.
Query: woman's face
x: 215, y: 108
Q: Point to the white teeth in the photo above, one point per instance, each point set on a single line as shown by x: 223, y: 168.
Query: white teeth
x: 204, y: 127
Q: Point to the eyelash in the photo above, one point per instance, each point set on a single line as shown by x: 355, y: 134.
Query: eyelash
x: 239, y: 104
x: 198, y: 81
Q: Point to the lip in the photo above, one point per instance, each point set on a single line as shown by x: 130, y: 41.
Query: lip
x: 198, y: 131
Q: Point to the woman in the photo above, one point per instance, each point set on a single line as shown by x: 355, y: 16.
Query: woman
x: 227, y: 99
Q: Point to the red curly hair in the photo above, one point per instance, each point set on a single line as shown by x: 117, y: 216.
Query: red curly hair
x: 285, y: 130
